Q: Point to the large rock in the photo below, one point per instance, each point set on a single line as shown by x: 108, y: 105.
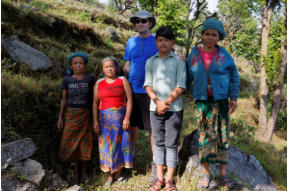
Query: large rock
x: 30, y: 170
x: 53, y: 182
x: 22, y: 53
x: 15, y: 151
x: 74, y: 188
x: 246, y: 169
x: 14, y: 184
x: 112, y: 33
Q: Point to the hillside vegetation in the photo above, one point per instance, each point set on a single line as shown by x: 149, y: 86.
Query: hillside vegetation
x: 31, y: 100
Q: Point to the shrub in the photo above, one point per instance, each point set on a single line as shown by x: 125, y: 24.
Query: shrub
x: 241, y: 128
x: 31, y: 107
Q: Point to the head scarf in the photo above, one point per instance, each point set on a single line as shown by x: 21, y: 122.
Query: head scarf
x: 71, y: 56
x: 217, y: 25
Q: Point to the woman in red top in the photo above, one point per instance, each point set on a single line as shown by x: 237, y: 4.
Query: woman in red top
x: 113, y: 98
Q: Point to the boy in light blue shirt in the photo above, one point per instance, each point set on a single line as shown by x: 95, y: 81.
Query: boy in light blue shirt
x: 165, y: 81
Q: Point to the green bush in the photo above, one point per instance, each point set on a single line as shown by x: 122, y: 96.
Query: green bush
x: 241, y: 128
x: 30, y: 107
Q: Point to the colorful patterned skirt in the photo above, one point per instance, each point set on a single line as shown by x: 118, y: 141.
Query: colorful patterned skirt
x: 76, y: 141
x: 213, y: 125
x: 115, y: 146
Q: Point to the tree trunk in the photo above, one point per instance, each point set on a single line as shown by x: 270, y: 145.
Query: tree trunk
x: 190, y: 30
x: 266, y: 16
x: 263, y: 78
x: 277, y: 94
x: 278, y: 91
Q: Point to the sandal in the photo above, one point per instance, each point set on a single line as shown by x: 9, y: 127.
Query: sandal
x: 122, y: 180
x: 108, y: 183
x: 225, y: 181
x: 74, y: 180
x: 170, y: 185
x: 84, y: 178
x: 157, y: 185
x: 205, y: 178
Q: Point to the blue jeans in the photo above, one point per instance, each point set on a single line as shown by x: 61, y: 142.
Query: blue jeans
x: 166, y: 133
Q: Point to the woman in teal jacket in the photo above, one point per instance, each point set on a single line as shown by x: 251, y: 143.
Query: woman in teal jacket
x: 215, y: 90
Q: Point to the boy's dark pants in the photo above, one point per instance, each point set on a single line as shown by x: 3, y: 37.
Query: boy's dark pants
x: 166, y: 133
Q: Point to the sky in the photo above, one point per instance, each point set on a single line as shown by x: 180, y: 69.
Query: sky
x: 212, y: 4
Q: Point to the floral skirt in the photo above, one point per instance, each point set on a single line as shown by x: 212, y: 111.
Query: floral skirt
x: 76, y: 142
x: 213, y: 125
x: 115, y: 146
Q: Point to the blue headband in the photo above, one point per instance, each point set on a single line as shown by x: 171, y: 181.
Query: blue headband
x: 71, y: 56
x: 212, y: 23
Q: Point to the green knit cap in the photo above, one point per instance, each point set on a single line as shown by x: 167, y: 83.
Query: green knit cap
x: 217, y: 25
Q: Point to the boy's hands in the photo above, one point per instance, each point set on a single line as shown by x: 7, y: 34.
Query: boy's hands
x: 96, y: 127
x: 161, y: 107
x: 126, y: 124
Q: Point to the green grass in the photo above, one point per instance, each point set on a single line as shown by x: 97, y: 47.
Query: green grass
x: 43, y: 88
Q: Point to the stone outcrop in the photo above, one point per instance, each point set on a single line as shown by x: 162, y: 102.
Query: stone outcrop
x: 112, y: 33
x: 31, y: 170
x: 245, y: 169
x: 74, y: 188
x: 13, y: 152
x: 14, y: 184
x: 22, y: 53
x: 53, y: 181
x: 20, y: 173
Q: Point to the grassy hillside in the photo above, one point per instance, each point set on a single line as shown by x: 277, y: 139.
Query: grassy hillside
x: 30, y: 100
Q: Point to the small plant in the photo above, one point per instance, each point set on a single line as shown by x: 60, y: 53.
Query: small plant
x: 134, y: 172
x: 241, y: 128
x: 22, y: 178
x: 70, y: 173
x: 108, y: 42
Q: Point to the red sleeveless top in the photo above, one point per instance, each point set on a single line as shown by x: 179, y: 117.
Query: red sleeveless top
x: 111, y: 95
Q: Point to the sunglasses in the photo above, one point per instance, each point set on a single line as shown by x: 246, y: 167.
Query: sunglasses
x: 141, y: 20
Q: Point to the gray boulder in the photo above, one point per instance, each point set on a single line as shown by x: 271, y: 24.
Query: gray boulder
x: 53, y: 181
x: 9, y: 183
x: 22, y: 53
x: 13, y: 152
x: 31, y: 171
x: 245, y: 169
x: 74, y: 188
x: 112, y: 32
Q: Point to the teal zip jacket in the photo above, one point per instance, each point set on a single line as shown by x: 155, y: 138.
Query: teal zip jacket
x: 222, y: 72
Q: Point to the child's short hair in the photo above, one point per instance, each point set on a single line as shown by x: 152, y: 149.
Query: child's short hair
x: 165, y: 31
x: 115, y: 61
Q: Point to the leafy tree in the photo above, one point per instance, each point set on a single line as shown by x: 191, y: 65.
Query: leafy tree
x: 173, y: 13
x: 197, y: 15
x: 242, y: 38
x: 122, y: 5
x: 268, y: 7
x: 148, y: 5
x: 275, y: 66
x: 184, y: 17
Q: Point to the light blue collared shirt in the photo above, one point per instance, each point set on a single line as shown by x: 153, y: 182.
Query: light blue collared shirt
x: 164, y: 75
